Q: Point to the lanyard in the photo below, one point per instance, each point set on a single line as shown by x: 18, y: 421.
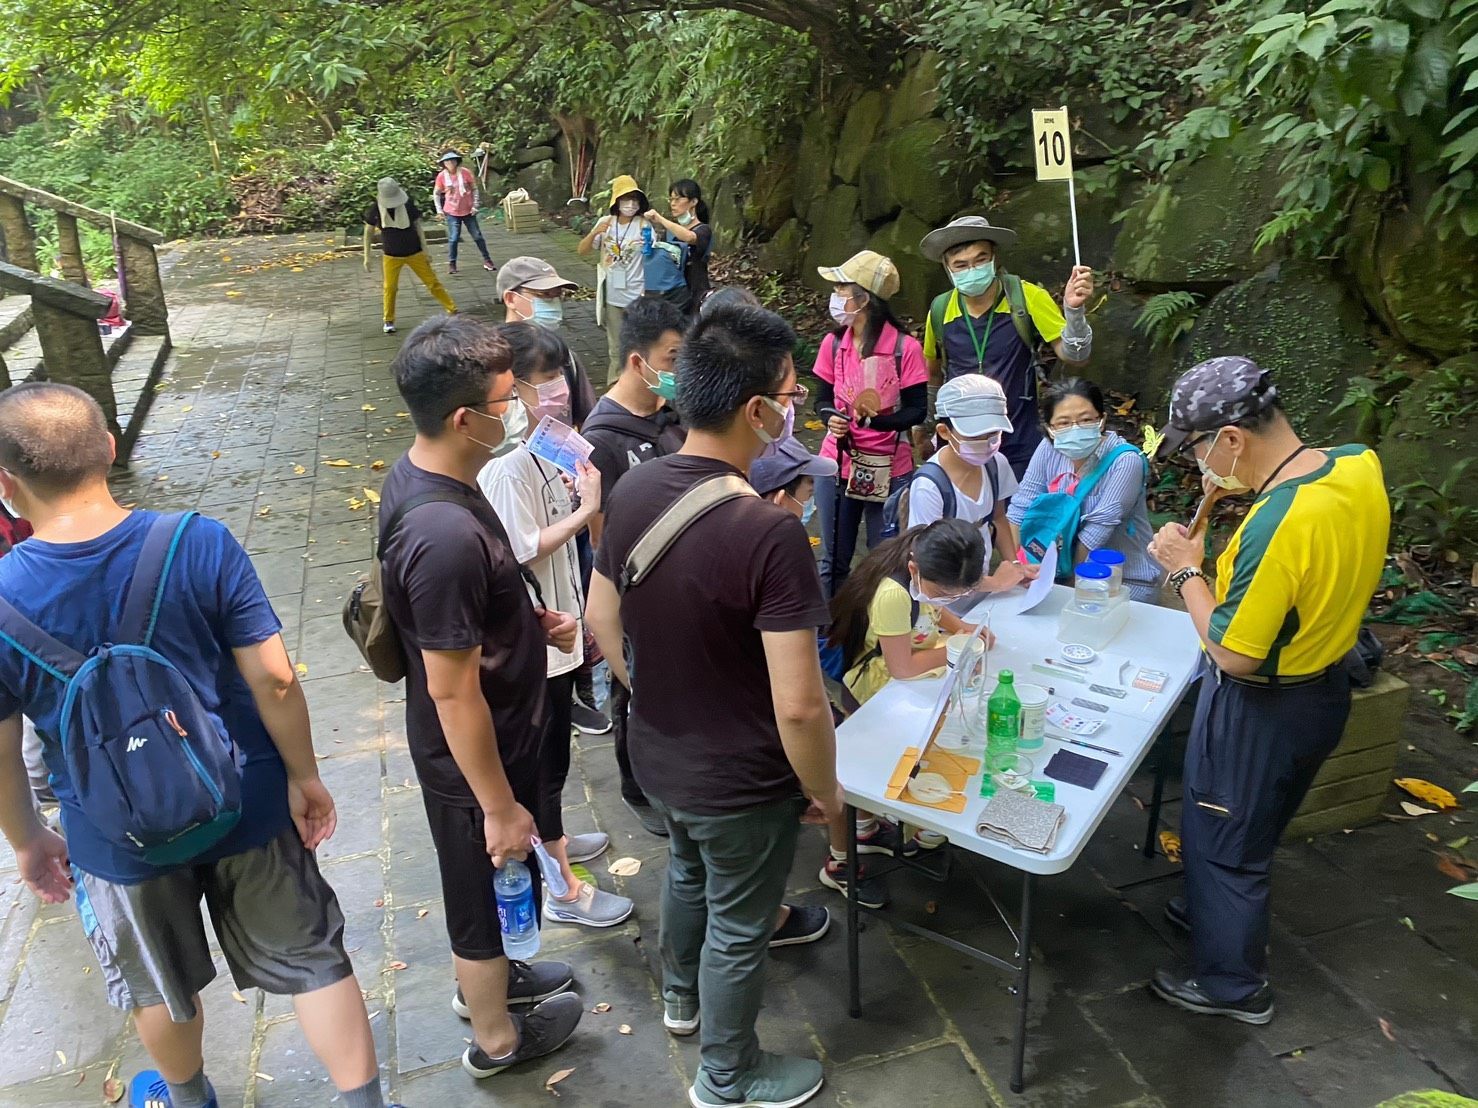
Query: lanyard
x: 978, y: 343
x: 1279, y: 470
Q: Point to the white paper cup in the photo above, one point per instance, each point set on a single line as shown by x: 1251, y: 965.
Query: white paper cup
x: 953, y: 646
x: 1033, y: 717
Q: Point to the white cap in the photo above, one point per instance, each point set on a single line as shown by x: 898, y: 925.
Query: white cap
x: 974, y: 404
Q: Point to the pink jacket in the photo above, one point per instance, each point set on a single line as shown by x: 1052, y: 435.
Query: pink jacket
x: 456, y: 195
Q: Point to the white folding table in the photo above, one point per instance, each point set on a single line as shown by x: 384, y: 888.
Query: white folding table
x: 873, y: 739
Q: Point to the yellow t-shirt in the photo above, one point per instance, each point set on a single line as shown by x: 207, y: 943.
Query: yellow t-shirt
x: 890, y: 613
x: 1297, y: 577
x: 1046, y: 316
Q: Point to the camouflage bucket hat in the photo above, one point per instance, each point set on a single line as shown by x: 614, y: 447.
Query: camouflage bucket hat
x: 1216, y: 393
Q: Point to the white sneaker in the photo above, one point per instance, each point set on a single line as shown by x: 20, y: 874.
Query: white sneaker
x: 593, y: 907
x: 389, y: 328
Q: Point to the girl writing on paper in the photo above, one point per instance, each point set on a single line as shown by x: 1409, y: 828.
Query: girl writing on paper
x: 887, y: 620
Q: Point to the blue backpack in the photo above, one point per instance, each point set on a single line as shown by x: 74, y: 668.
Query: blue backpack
x: 1052, y: 518
x: 153, y: 772
x: 665, y: 268
x: 893, y: 508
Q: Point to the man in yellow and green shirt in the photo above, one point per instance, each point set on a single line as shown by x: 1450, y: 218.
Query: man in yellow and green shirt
x: 1290, y: 592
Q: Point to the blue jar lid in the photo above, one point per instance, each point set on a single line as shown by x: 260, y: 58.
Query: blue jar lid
x: 1093, y: 571
x: 1106, y: 557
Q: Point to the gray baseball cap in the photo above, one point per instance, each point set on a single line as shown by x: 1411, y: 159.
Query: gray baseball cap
x: 531, y: 273
x: 974, y: 404
x: 1216, y: 393
x: 788, y: 461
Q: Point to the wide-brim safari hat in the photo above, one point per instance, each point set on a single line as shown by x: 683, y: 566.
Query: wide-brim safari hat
x: 957, y: 232
x: 390, y: 194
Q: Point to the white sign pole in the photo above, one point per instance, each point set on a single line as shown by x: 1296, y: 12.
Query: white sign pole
x: 1052, y: 144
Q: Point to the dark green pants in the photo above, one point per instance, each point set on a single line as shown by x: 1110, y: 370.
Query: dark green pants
x: 725, y: 883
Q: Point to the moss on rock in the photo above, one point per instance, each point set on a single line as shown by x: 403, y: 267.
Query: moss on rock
x: 1430, y: 434
x: 1038, y: 212
x: 858, y: 130
x: 919, y: 279
x: 836, y: 233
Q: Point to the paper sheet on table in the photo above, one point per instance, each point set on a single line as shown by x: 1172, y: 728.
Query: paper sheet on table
x: 956, y: 769
x: 559, y: 445
x: 1037, y: 591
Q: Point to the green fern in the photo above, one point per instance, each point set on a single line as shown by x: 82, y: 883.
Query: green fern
x: 1168, y: 316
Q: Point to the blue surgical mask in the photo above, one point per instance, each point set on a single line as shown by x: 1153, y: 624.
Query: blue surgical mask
x: 1077, y: 443
x: 549, y: 313
x: 975, y: 280
x: 808, y: 509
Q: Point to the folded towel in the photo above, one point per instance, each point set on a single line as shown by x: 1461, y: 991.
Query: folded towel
x: 1021, y: 820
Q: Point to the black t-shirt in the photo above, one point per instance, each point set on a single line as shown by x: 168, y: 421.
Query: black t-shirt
x: 703, y: 736
x: 623, y: 439
x: 396, y: 242
x: 452, y: 583
x: 697, y: 268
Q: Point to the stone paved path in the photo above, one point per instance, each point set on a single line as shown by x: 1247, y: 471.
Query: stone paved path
x: 280, y: 369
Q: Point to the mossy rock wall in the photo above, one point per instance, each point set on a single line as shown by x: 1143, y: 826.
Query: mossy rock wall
x: 1296, y: 320
x: 1124, y: 358
x: 1429, y: 437
x: 1038, y: 212
x: 1196, y: 229
x: 919, y: 279
x: 836, y: 234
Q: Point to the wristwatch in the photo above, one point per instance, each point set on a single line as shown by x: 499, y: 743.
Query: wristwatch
x: 1179, y: 578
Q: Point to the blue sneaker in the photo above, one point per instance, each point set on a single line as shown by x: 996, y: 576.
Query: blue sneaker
x: 148, y: 1090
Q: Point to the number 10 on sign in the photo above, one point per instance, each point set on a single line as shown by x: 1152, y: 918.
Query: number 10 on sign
x: 1052, y: 144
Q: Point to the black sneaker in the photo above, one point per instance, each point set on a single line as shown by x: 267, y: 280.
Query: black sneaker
x: 542, y: 1030
x: 805, y: 924
x: 1176, y: 913
x: 1186, y: 992
x: 870, y: 890
x: 648, y: 816
x: 528, y: 983
x: 886, y: 838
x: 588, y: 720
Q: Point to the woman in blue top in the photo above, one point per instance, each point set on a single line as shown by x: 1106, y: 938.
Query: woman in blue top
x: 1114, y: 514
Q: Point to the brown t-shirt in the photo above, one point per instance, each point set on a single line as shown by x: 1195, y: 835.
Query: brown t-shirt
x: 702, y: 728
x: 451, y: 583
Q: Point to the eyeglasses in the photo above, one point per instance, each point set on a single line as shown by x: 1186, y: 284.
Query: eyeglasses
x: 1083, y: 424
x: 797, y: 395
x: 945, y: 601
x: 484, y: 403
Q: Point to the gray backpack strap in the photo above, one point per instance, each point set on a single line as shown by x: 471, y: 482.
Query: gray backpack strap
x: 665, y: 530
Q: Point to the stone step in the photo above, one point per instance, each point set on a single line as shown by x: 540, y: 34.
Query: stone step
x: 15, y: 319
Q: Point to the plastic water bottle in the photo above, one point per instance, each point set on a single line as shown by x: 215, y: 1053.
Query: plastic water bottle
x: 513, y: 889
x: 1003, y: 721
x: 647, y: 248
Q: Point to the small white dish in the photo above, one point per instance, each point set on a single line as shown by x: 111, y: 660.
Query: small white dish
x: 1078, y: 654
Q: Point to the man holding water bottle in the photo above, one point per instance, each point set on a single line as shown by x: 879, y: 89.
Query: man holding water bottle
x: 475, y: 685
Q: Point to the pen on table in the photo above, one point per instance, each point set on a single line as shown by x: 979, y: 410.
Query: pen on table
x: 1087, y: 746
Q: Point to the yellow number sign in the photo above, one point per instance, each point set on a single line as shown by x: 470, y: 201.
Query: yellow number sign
x: 1051, y: 144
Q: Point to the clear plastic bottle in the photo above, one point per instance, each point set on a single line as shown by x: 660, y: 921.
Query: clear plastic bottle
x: 1003, y: 713
x: 1091, y: 583
x: 1115, y: 563
x: 513, y: 889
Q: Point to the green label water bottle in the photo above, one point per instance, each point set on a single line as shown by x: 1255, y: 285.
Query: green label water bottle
x: 1003, y: 721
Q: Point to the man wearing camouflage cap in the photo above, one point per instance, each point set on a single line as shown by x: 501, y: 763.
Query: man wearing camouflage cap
x: 1290, y: 591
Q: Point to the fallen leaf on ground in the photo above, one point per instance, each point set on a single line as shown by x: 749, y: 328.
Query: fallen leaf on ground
x: 1467, y: 892
x: 340, y: 463
x: 931, y: 907
x: 238, y: 998
x: 380, y: 903
x: 625, y: 867
x: 1416, y: 809
x: 378, y: 463
x: 624, y: 1029
x: 265, y: 512
x: 601, y: 1009
x: 366, y: 407
x: 264, y: 1076
x: 1170, y: 844
x: 1385, y: 1029
x: 302, y: 668
x: 1405, y: 921
x: 555, y: 1078
x: 403, y: 415
x: 398, y: 966
x: 423, y: 913
x: 1426, y: 791
x: 814, y: 425
x: 81, y: 1077
x: 1458, y: 844
x: 215, y: 453
x: 371, y: 495
x: 354, y: 503
x: 233, y: 292
x: 299, y: 470
x: 62, y: 1058
x: 1473, y: 788
x: 1456, y: 868
x: 815, y: 541
x: 112, y: 1091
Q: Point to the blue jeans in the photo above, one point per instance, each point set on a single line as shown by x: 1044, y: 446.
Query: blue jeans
x: 454, y: 225
x: 837, y: 564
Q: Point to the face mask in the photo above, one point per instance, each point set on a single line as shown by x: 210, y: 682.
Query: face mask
x: 839, y: 310
x: 552, y: 398
x: 1231, y: 482
x: 773, y: 441
x: 628, y: 208
x: 548, y: 313
x: 977, y: 451
x: 808, y: 509
x: 666, y: 384
x: 974, y: 281
x: 685, y: 218
x: 515, y: 423
x: 1077, y: 443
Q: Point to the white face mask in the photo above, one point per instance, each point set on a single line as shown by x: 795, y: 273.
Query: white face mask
x: 628, y: 208
x: 839, y: 310
x: 9, y: 507
x: 515, y: 423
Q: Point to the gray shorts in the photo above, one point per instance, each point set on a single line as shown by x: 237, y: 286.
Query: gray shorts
x: 277, y: 920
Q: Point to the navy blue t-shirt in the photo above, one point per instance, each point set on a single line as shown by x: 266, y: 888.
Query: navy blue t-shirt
x: 213, y: 603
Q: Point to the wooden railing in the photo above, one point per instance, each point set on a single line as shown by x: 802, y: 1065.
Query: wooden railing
x: 65, y: 311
